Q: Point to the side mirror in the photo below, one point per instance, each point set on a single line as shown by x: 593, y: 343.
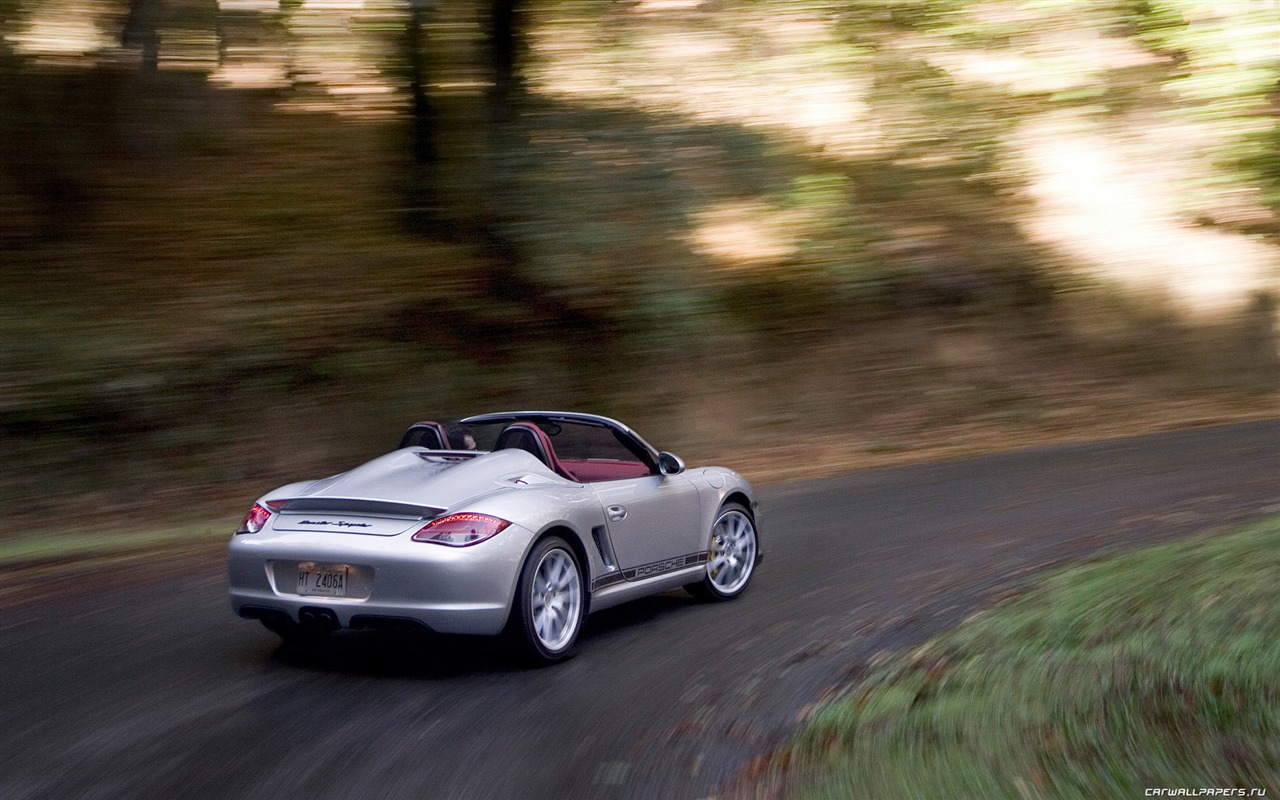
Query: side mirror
x: 670, y: 464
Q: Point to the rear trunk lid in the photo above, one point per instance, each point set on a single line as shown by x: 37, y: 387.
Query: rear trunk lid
x: 398, y: 491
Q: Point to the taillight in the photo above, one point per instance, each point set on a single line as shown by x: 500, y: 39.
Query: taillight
x: 255, y: 519
x: 460, y: 530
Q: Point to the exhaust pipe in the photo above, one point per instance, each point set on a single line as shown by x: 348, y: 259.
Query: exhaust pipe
x: 318, y: 619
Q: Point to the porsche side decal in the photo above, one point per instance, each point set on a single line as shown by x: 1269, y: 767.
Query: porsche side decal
x: 650, y: 570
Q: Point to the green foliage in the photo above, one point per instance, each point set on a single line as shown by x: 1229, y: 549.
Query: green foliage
x: 717, y: 191
x: 1227, y: 69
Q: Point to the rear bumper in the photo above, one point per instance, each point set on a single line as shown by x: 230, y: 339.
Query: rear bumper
x: 483, y: 620
x: 465, y: 590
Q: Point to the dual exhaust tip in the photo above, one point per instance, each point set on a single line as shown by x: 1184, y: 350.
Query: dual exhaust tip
x: 318, y: 619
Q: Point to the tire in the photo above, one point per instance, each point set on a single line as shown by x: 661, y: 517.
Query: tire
x: 550, y: 603
x: 733, y: 549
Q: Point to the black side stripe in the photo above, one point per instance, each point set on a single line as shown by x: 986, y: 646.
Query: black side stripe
x: 607, y: 580
x: 650, y: 570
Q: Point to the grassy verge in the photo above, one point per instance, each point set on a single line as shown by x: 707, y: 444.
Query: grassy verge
x: 71, y: 561
x: 92, y: 544
x: 1160, y: 668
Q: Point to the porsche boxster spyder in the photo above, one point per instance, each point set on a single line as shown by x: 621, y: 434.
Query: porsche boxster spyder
x: 555, y: 515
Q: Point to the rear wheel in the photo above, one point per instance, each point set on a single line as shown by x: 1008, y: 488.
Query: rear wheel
x: 731, y: 555
x: 550, y: 602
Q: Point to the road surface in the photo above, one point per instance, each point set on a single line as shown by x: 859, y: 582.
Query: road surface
x: 156, y: 691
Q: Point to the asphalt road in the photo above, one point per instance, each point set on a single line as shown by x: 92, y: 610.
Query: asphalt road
x: 157, y: 691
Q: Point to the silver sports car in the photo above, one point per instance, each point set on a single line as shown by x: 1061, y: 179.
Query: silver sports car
x: 555, y: 516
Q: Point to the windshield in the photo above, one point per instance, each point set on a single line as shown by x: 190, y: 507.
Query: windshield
x: 572, y: 440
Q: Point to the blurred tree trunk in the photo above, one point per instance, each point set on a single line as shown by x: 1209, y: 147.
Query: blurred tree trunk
x: 501, y: 113
x: 1262, y: 339
x: 585, y: 335
x: 424, y: 116
x: 140, y: 32
x: 501, y: 141
x: 422, y: 194
x: 505, y: 55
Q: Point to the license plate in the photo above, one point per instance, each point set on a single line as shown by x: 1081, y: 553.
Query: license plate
x: 329, y: 580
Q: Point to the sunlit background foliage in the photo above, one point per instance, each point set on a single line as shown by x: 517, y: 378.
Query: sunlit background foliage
x: 248, y: 239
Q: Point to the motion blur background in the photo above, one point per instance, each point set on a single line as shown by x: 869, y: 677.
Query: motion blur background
x: 251, y: 240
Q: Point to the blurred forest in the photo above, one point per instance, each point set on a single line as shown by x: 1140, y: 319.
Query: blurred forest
x: 244, y: 241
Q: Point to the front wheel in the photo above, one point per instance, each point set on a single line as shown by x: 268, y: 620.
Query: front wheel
x: 550, y: 603
x: 731, y: 555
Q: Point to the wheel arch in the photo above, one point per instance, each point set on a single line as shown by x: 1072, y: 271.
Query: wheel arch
x: 566, y: 532
x: 740, y: 496
x: 520, y: 627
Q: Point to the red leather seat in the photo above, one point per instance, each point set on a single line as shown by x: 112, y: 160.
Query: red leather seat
x: 530, y: 438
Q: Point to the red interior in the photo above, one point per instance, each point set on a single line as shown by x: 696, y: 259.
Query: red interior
x: 529, y: 437
x: 589, y: 471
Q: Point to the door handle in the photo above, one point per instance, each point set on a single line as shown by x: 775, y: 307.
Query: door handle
x: 617, y: 513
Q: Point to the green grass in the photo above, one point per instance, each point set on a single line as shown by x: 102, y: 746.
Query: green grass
x: 1160, y: 668
x: 73, y: 545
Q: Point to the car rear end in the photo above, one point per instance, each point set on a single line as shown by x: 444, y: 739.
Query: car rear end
x: 357, y: 563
